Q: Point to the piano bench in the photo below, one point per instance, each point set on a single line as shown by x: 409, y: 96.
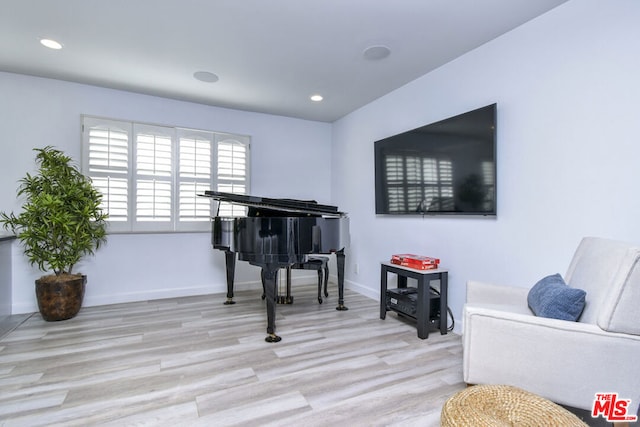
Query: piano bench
x: 320, y: 264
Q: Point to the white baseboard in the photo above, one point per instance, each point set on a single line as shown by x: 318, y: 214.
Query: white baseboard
x: 363, y: 290
x: 155, y: 294
x: 219, y: 288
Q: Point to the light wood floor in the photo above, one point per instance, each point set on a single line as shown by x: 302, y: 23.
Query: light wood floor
x: 194, y: 361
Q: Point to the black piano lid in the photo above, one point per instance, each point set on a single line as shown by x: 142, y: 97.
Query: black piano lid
x: 284, y: 205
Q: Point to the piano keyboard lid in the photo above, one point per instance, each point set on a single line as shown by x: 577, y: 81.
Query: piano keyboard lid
x: 284, y: 205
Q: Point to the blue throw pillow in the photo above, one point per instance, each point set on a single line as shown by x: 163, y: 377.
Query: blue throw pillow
x: 551, y: 297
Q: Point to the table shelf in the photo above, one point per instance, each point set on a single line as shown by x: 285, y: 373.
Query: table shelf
x: 424, y: 279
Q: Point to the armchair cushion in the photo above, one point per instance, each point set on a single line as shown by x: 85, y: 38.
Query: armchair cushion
x: 551, y: 297
x: 609, y: 271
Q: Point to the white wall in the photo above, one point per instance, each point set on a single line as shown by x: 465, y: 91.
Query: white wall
x: 5, y: 278
x: 568, y: 131
x: 287, y: 154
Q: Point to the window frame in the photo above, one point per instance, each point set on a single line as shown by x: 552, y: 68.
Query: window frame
x: 176, y: 223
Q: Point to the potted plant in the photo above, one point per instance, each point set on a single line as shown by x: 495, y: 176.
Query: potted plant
x: 61, y: 221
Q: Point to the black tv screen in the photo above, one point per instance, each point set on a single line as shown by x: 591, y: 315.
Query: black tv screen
x: 444, y: 168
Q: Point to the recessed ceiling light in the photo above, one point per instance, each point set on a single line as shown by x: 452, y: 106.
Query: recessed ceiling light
x: 205, y: 76
x: 316, y: 98
x: 51, y: 44
x: 374, y: 53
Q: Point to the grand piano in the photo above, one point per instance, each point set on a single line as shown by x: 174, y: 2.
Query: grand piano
x: 275, y: 234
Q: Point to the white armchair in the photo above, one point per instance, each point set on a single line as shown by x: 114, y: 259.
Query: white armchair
x: 566, y: 362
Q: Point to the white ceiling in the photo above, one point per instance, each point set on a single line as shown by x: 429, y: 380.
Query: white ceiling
x: 269, y: 55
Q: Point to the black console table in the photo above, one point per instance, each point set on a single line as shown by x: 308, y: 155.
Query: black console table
x: 424, y: 278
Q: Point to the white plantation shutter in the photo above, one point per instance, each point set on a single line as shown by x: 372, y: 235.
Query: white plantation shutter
x: 151, y: 176
x: 108, y: 150
x: 114, y: 197
x: 195, y: 176
x: 232, y: 171
x: 106, y: 160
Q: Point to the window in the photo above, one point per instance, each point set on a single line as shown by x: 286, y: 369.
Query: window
x: 150, y: 176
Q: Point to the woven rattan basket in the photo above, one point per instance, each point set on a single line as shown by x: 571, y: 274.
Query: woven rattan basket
x: 502, y: 405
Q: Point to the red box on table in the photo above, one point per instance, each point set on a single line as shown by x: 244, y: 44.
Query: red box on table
x: 418, y: 262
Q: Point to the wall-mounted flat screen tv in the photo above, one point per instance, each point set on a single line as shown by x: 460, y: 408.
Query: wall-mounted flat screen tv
x: 443, y: 168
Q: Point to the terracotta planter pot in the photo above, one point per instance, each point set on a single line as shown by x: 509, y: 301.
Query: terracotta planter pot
x: 60, y: 297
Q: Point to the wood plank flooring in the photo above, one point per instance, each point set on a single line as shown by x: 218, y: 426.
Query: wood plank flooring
x: 194, y: 361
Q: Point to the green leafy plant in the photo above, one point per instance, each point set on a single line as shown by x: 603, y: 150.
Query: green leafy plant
x: 61, y: 219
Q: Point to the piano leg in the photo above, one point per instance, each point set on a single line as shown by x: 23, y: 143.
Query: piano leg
x: 287, y: 299
x: 270, y: 274
x: 230, y: 260
x: 340, y: 262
